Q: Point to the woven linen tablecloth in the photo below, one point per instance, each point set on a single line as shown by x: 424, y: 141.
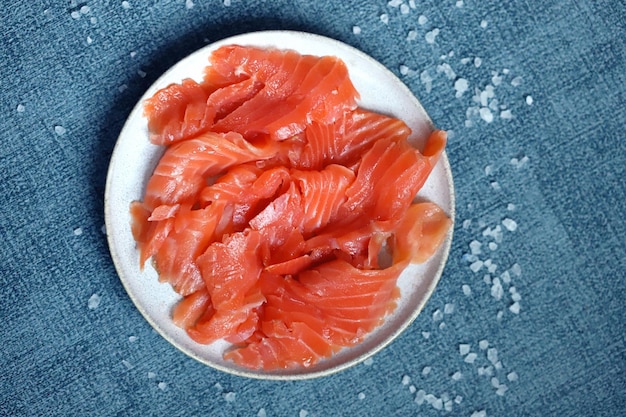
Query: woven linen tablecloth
x: 528, y: 318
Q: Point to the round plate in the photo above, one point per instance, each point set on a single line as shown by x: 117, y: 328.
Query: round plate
x: 134, y: 159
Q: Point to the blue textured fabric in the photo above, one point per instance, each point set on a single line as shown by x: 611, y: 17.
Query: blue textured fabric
x: 552, y: 160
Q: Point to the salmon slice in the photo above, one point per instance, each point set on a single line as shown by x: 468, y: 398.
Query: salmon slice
x: 177, y: 112
x: 420, y: 233
x: 149, y: 235
x: 182, y: 171
x: 189, y: 310
x: 175, y: 259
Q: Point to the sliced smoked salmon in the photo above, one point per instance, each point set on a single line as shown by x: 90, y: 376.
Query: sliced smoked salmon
x: 280, y: 211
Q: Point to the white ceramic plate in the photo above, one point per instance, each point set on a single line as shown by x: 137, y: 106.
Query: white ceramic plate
x: 134, y: 159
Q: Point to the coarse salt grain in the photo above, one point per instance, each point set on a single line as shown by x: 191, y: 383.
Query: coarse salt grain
x: 437, y: 315
x: 467, y: 223
x: 515, y: 82
x: 509, y: 224
x: 412, y: 35
x: 384, y: 18
x: 261, y: 413
x: 460, y: 86
x: 438, y: 404
x: 442, y: 325
x: 189, y: 4
x: 127, y: 364
x: 499, y: 315
x: 412, y: 4
x: 458, y: 399
x: 516, y: 297
x: 426, y: 370
x: 404, y: 9
x: 498, y: 365
x: 227, y: 3
x: 93, y: 302
x: 483, y: 24
x: 486, y: 115
x: 93, y: 20
x: 495, y: 185
x: 75, y: 14
x: 126, y: 5
x: 361, y: 396
x: 141, y: 73
x: 467, y: 291
x: 303, y: 413
x: 20, y: 108
x: 84, y: 9
x: 78, y: 231
x: 420, y: 396
x: 506, y: 114
x: 422, y: 20
x: 448, y: 405
x: 229, y: 396
x: 496, y: 289
x: 474, y: 246
x: 60, y: 130
x: 478, y: 62
x: 512, y: 376
x: 132, y: 339
x: 404, y: 70
x: 457, y: 376
x: 368, y: 362
x: 487, y: 279
x: 493, y: 246
x: 510, y: 207
x: 475, y: 266
x: 426, y: 335
x: 431, y: 35
x: 515, y: 308
x: 447, y: 70
x: 529, y: 100
x: 162, y: 386
x: 516, y: 269
x: 394, y: 3
x: 406, y: 380
x: 494, y: 382
x: 459, y: 3
x: 481, y: 413
x: 471, y: 357
x: 501, y: 389
x: 492, y: 355
x: 427, y: 80
x: 151, y: 375
x: 464, y: 349
x: 356, y: 30
x: 448, y: 308
x: 412, y: 389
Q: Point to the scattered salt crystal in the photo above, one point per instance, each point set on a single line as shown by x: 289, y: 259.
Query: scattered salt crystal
x: 406, y: 380
x: 506, y: 114
x: 384, y: 18
x: 448, y: 405
x: 89, y: 40
x: 425, y: 335
x: 227, y: 3
x: 483, y: 24
x: 464, y: 349
x: 481, y: 413
x: 93, y: 20
x: 122, y: 88
x: 483, y: 344
x: 20, y: 108
x: 459, y: 3
x: 412, y: 4
x: 412, y: 389
x: 477, y: 62
x: 151, y: 375
x: 448, y: 308
x: 426, y: 370
x: 404, y: 70
x: 430, y: 36
x: 394, y: 3
x: 303, y: 413
x: 461, y: 85
x: 467, y: 290
x: 189, y: 4
x: 93, y: 302
x: 412, y: 35
x: 515, y: 308
x: 468, y: 257
x: 480, y: 370
x: 127, y: 364
x: 404, y: 9
x: 516, y: 297
x: 501, y: 389
x: 498, y: 365
x: 486, y: 114
x: 361, y: 396
x: 494, y: 382
x: 218, y: 386
x: 103, y: 229
x: 132, y: 339
x: 427, y: 80
x: 529, y: 100
x: 492, y: 355
x: 495, y: 185
x: 368, y: 361
x: 467, y: 223
x: 487, y: 279
x: 60, y: 130
x: 162, y: 386
x: 229, y: 396
x: 488, y: 262
x: 430, y: 398
x: 474, y: 246
x: 499, y: 315
x: 422, y: 20
x: 492, y: 268
x: 516, y: 269
x: 458, y: 399
x: 457, y: 375
x: 437, y: 315
x: 126, y: 5
x: 475, y: 267
x: 516, y: 81
x: 442, y: 325
x: 493, y: 246
x: 509, y: 224
x: 512, y: 376
x: 438, y: 404
x: 488, y: 170
x: 356, y: 30
x: 420, y: 396
x: 78, y: 231
x: 506, y: 277
x: 261, y: 413
x: 510, y: 207
x: 471, y: 357
x: 75, y: 14
x: 141, y: 73
x: 133, y: 54
x: 84, y: 9
x: 447, y: 70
